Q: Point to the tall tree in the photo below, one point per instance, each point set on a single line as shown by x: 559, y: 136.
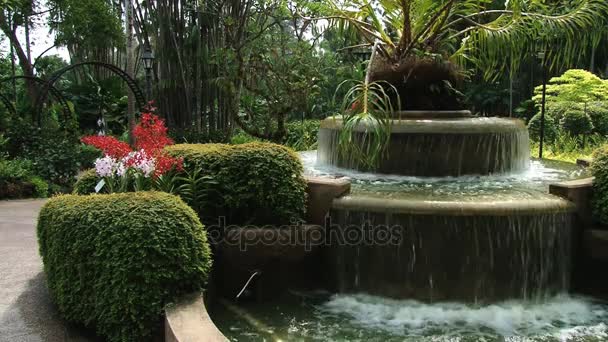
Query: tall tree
x: 13, y: 16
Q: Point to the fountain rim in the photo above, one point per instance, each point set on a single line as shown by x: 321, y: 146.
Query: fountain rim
x: 431, y: 114
x: 519, y: 207
x: 459, y: 125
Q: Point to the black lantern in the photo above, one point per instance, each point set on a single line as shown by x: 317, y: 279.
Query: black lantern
x: 148, y: 58
x: 541, y: 54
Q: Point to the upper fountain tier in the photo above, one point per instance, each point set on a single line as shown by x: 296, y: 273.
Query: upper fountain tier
x: 436, y: 144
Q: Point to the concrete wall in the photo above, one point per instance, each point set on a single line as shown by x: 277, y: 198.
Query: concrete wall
x: 591, y: 239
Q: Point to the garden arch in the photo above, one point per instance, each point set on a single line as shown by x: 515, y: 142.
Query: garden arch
x: 8, y: 104
x: 43, y: 86
x: 131, y: 83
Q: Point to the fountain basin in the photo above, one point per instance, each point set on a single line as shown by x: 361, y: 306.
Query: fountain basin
x: 475, y: 252
x: 441, y: 144
x: 474, y: 239
x: 306, y: 316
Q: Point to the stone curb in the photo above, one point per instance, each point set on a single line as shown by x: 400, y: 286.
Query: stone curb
x: 188, y: 321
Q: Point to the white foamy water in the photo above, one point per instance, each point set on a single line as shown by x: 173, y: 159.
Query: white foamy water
x: 545, y: 171
x: 562, y: 318
x: 532, y: 183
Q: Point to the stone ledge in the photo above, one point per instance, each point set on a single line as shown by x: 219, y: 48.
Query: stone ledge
x: 321, y: 193
x: 579, y: 192
x: 188, y: 321
x: 595, y: 244
x: 456, y: 208
x: 584, y: 162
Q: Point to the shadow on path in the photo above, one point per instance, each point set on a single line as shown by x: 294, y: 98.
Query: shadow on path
x: 34, y: 317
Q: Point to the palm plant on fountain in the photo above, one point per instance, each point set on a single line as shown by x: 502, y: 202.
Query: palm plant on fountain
x: 423, y: 49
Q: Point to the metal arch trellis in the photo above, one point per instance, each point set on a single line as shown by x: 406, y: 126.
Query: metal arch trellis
x: 8, y: 104
x: 131, y: 83
x: 65, y: 108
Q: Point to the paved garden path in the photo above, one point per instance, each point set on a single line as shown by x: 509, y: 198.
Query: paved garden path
x: 26, y: 311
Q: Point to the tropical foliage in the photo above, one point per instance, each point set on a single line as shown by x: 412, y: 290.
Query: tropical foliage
x: 574, y: 86
x: 421, y: 40
x: 576, y: 119
x: 217, y: 65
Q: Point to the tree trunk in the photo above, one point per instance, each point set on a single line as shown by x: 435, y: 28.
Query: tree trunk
x: 26, y: 66
x: 129, y: 66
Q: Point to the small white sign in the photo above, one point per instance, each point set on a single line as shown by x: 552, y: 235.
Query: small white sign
x: 99, y: 185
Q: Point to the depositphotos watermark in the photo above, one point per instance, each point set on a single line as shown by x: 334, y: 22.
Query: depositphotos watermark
x: 304, y: 235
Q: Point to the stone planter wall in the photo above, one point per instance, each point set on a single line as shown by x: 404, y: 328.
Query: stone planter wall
x: 591, y: 242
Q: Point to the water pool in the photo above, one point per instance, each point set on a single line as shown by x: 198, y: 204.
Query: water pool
x: 361, y: 317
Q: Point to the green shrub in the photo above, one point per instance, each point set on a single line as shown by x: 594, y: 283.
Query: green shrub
x: 87, y: 155
x: 53, y: 152
x: 15, y: 170
x: 574, y: 85
x: 113, y: 262
x: 558, y: 110
x: 254, y: 182
x: 598, y: 112
x: 18, y: 181
x: 526, y: 110
x: 599, y: 167
x: 551, y: 128
x: 240, y: 137
x: 41, y: 188
x: 55, y: 158
x: 302, y: 136
x: 193, y: 136
x: 86, y: 182
x: 576, y: 122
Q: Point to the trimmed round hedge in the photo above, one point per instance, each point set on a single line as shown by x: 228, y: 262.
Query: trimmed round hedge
x: 599, y: 167
x: 551, y: 128
x: 576, y: 122
x: 113, y: 262
x: 255, y: 183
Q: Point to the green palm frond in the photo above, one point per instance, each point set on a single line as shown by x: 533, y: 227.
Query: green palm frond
x: 515, y: 33
x: 366, y: 121
x: 469, y: 32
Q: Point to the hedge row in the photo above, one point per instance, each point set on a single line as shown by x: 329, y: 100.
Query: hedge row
x: 256, y: 182
x: 114, y: 261
x: 600, y: 184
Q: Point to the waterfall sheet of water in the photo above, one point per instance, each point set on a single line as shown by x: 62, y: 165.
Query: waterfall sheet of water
x: 420, y: 152
x: 456, y: 256
x: 441, y: 257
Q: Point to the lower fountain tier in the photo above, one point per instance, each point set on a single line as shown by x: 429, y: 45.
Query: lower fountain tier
x: 435, y: 147
x: 451, y: 251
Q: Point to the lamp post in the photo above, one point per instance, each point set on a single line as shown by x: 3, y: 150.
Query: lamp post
x: 542, y: 56
x: 148, y: 58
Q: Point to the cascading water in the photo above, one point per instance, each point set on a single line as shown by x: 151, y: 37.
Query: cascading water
x: 462, y: 234
x: 447, y: 256
x: 439, y: 147
x: 473, y: 220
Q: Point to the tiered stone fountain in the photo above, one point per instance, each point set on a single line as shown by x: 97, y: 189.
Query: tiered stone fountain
x: 472, y: 226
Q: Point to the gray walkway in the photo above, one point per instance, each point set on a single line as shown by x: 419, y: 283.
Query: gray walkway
x: 26, y: 312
